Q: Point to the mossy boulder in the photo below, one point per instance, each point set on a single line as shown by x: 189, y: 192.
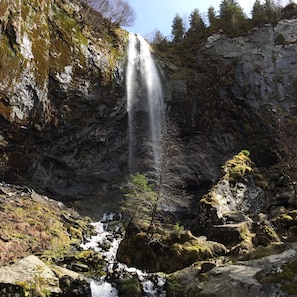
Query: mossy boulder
x: 35, y: 224
x: 130, y: 286
x: 184, y: 282
x: 166, y: 253
x: 32, y: 277
x: 232, y: 199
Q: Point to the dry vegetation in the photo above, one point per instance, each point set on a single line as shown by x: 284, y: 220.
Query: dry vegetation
x: 34, y: 224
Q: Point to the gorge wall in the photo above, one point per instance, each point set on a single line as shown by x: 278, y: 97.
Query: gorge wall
x: 63, y: 102
x: 235, y: 92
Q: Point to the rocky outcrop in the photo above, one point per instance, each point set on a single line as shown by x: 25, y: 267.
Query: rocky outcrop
x: 32, y: 276
x: 166, y: 251
x: 53, y: 45
x: 268, y: 276
x: 233, y: 200
x: 40, y: 246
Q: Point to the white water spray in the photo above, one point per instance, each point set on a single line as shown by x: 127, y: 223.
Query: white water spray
x: 144, y: 93
x: 152, y: 283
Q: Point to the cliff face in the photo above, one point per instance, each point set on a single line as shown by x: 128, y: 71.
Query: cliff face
x: 63, y: 102
x: 235, y: 91
x: 53, y: 44
x: 61, y: 96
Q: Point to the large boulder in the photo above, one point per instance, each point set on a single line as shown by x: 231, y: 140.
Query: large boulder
x: 166, y: 252
x: 32, y: 276
x: 274, y: 275
x: 224, y: 212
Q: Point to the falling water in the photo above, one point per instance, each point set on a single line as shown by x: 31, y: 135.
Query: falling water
x: 144, y: 97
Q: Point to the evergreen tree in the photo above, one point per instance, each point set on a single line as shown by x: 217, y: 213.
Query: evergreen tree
x: 178, y: 30
x: 211, y: 14
x: 270, y: 10
x: 231, y: 14
x: 140, y: 198
x: 258, y: 15
x: 197, y: 24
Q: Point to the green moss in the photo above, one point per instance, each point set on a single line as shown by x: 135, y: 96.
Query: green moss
x: 209, y: 199
x: 195, y: 251
x: 246, y: 152
x: 284, y: 221
x: 130, y: 287
x: 270, y: 232
x: 174, y: 287
x: 237, y: 166
x: 264, y: 251
x: 37, y: 227
x: 238, y: 171
x: 66, y: 36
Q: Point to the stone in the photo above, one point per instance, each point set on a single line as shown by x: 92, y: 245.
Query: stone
x: 244, y: 278
x: 30, y: 272
x: 32, y: 276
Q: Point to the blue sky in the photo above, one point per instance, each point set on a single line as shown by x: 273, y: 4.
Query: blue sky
x: 152, y: 15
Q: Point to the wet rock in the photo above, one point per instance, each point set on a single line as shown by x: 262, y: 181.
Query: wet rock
x: 130, y: 286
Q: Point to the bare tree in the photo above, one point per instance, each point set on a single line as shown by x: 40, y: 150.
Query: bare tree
x: 117, y: 11
x: 166, y: 173
x: 160, y: 189
x: 286, y: 136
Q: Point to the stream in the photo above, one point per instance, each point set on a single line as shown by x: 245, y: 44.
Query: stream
x: 108, y: 235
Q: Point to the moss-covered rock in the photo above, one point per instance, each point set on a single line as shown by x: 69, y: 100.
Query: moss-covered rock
x: 42, y: 41
x: 32, y: 277
x: 168, y: 252
x: 130, y: 286
x: 35, y: 224
x: 285, y: 277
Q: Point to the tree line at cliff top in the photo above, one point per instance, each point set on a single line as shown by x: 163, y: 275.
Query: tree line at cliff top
x: 230, y: 18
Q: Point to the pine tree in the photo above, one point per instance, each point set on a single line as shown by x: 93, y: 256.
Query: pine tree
x: 197, y: 25
x: 258, y: 14
x: 231, y: 14
x: 178, y: 30
x: 211, y: 14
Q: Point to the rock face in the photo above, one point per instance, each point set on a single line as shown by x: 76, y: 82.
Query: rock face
x: 31, y: 276
x: 232, y: 200
x: 238, y: 87
x: 63, y: 100
x: 250, y: 278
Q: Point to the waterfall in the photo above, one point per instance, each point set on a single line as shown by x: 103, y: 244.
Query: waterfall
x: 144, y: 99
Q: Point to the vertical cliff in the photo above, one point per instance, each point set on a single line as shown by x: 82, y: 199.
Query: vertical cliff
x: 62, y: 107
x: 229, y: 92
x: 52, y: 43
